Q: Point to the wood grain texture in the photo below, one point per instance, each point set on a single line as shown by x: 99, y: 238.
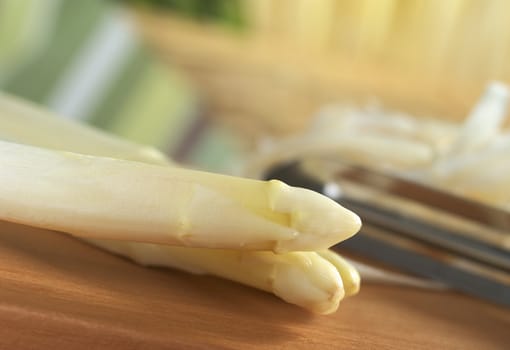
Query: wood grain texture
x: 59, y: 293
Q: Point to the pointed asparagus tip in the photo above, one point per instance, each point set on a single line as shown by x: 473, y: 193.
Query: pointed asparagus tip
x: 312, y: 283
x: 319, y: 221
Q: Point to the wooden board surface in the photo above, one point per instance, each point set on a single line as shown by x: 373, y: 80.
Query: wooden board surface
x: 59, y: 293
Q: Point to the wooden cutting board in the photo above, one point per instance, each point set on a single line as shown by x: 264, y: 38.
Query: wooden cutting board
x: 59, y: 293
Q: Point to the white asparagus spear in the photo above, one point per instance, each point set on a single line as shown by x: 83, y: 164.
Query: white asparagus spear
x: 24, y: 122
x: 115, y: 199
x: 301, y: 278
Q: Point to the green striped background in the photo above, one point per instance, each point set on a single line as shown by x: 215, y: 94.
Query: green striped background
x: 146, y: 101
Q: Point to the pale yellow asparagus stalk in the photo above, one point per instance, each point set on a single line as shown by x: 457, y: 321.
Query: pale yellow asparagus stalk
x: 108, y: 198
x: 301, y: 278
x: 27, y: 123
x: 303, y: 289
